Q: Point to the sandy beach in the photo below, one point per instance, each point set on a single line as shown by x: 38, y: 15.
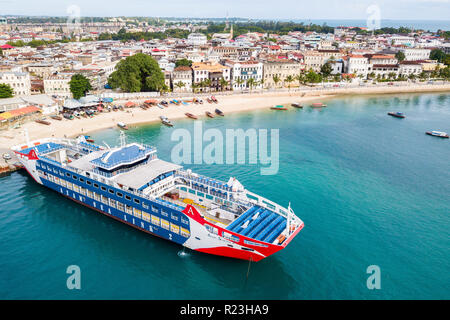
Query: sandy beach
x: 229, y: 103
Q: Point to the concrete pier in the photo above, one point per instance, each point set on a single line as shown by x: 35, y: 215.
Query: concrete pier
x: 8, y: 165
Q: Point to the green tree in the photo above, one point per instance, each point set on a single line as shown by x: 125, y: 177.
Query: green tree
x: 223, y: 83
x: 6, y: 91
x: 289, y: 79
x: 138, y: 73
x: 1, y: 52
x: 251, y: 83
x: 313, y: 77
x: 400, y: 56
x: 438, y: 55
x: 180, y: 84
x: 276, y: 79
x: 326, y: 69
x: 207, y: 84
x: 183, y: 62
x: 240, y: 81
x: 79, y: 85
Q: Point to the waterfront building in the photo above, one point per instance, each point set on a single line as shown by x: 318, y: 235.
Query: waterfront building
x: 19, y: 82
x: 182, y: 74
x: 245, y: 70
x: 282, y: 68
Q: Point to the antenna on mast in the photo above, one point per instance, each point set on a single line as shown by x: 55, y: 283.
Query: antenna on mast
x: 123, y: 139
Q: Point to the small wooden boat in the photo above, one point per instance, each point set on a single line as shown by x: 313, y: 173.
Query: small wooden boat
x: 220, y: 113
x: 122, y: 125
x: 160, y: 106
x: 397, y: 114
x: 318, y: 105
x: 278, y: 107
x: 209, y: 114
x: 297, y: 105
x: 209, y: 100
x: 166, y: 121
x: 43, y: 122
x: 55, y: 117
x: 190, y: 115
x: 438, y: 134
x: 213, y: 98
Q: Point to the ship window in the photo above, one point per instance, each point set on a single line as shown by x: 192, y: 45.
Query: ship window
x: 83, y: 191
x: 111, y: 191
x: 183, y: 189
x: 120, y: 206
x: 104, y: 199
x: 209, y: 197
x: 102, y: 188
x: 127, y: 197
x: 155, y: 209
x: 88, y: 182
x: 128, y: 209
x: 191, y: 191
x: 95, y: 185
x: 75, y: 177
x: 81, y: 179
x: 112, y: 203
x: 174, y: 217
x: 67, y: 174
x: 120, y: 195
x: 137, y: 201
x: 96, y: 196
x: 164, y: 213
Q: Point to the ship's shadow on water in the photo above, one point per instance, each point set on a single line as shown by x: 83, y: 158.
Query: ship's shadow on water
x: 111, y: 253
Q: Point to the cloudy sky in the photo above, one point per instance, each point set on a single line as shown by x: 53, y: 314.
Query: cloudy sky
x: 258, y: 9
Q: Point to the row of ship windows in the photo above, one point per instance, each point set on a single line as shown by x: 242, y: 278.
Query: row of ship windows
x: 118, y: 194
x: 89, y: 183
x: 124, y: 208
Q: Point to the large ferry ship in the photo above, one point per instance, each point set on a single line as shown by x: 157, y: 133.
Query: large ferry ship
x: 131, y: 184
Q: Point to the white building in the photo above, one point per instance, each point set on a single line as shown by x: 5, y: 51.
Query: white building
x: 415, y: 54
x: 197, y: 39
x: 245, y: 71
x: 182, y: 74
x: 407, y: 68
x: 58, y: 85
x: 19, y: 82
x: 359, y: 65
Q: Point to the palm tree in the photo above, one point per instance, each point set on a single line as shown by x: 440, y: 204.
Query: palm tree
x: 289, y: 79
x: 207, y: 83
x: 223, y: 83
x: 239, y: 82
x: 300, y: 78
x: 250, y: 83
x: 180, y: 84
x: 276, y: 79
x: 195, y: 87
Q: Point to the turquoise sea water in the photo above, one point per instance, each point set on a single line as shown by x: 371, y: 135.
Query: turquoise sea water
x: 371, y: 189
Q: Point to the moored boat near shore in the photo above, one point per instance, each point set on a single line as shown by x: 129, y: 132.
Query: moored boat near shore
x: 122, y: 125
x: 278, y: 107
x: 297, y: 105
x: 166, y: 121
x: 438, y: 134
x: 43, y: 122
x: 218, y: 112
x: 318, y: 105
x: 190, y: 115
x: 396, y: 114
x: 55, y: 117
x: 209, y: 114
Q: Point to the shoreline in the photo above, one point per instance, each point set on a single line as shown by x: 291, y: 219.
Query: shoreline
x: 228, y: 103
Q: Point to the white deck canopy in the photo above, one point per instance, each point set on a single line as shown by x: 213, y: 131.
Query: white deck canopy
x: 144, y: 174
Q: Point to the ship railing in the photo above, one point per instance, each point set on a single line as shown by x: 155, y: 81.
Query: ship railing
x: 204, y: 180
